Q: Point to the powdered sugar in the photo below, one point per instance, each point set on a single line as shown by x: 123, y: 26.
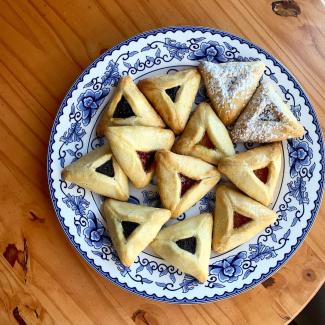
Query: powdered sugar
x: 256, y: 132
x: 232, y: 84
x: 263, y: 118
x: 269, y: 114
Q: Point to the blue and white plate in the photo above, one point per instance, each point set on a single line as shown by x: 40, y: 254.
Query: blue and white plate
x: 154, y: 53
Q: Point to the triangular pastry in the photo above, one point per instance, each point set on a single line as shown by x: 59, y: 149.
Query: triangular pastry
x: 230, y: 86
x: 128, y: 106
x: 132, y: 227
x: 187, y: 245
x: 256, y: 172
x: 205, y: 137
x: 98, y: 171
x: 183, y: 180
x: 237, y: 219
x: 172, y: 96
x: 134, y: 147
x: 266, y: 119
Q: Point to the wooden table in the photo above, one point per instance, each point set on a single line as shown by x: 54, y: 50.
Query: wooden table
x: 44, y: 45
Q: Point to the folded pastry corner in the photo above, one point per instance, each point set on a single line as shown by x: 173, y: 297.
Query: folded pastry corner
x: 237, y: 218
x: 128, y: 106
x: 255, y: 172
x: 98, y: 171
x: 172, y: 95
x: 183, y: 180
x: 132, y: 227
x: 205, y: 137
x: 230, y: 86
x: 134, y: 148
x: 266, y: 119
x: 187, y: 245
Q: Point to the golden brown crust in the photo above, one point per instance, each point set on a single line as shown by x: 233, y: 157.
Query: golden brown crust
x: 174, y: 113
x: 229, y: 201
x: 266, y: 119
x: 126, y: 141
x: 196, y: 264
x: 230, y: 86
x: 145, y: 115
x: 205, y: 121
x: 83, y: 173
x: 240, y: 171
x: 150, y: 221
x: 169, y: 166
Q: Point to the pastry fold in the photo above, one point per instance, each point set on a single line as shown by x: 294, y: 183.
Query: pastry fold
x: 255, y: 172
x: 172, y: 96
x: 128, y: 106
x: 237, y: 218
x: 89, y: 172
x: 230, y: 86
x: 134, y: 148
x: 266, y: 119
x: 187, y: 245
x: 205, y: 137
x: 132, y: 227
x: 183, y: 180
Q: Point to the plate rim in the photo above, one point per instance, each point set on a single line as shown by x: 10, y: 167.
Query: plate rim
x: 263, y: 276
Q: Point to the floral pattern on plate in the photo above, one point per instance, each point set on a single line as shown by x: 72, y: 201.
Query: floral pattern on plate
x: 73, y: 134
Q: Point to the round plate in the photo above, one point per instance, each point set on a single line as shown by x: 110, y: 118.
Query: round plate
x: 164, y: 51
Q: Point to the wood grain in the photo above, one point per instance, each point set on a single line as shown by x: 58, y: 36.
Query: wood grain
x: 44, y: 45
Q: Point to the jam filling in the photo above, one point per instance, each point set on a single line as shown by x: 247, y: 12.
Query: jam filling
x: 128, y: 228
x: 106, y: 168
x: 172, y: 92
x: 186, y: 183
x: 147, y: 160
x: 206, y: 141
x: 240, y: 220
x: 123, y: 109
x: 188, y: 244
x: 262, y: 174
x: 232, y: 84
x: 269, y: 114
